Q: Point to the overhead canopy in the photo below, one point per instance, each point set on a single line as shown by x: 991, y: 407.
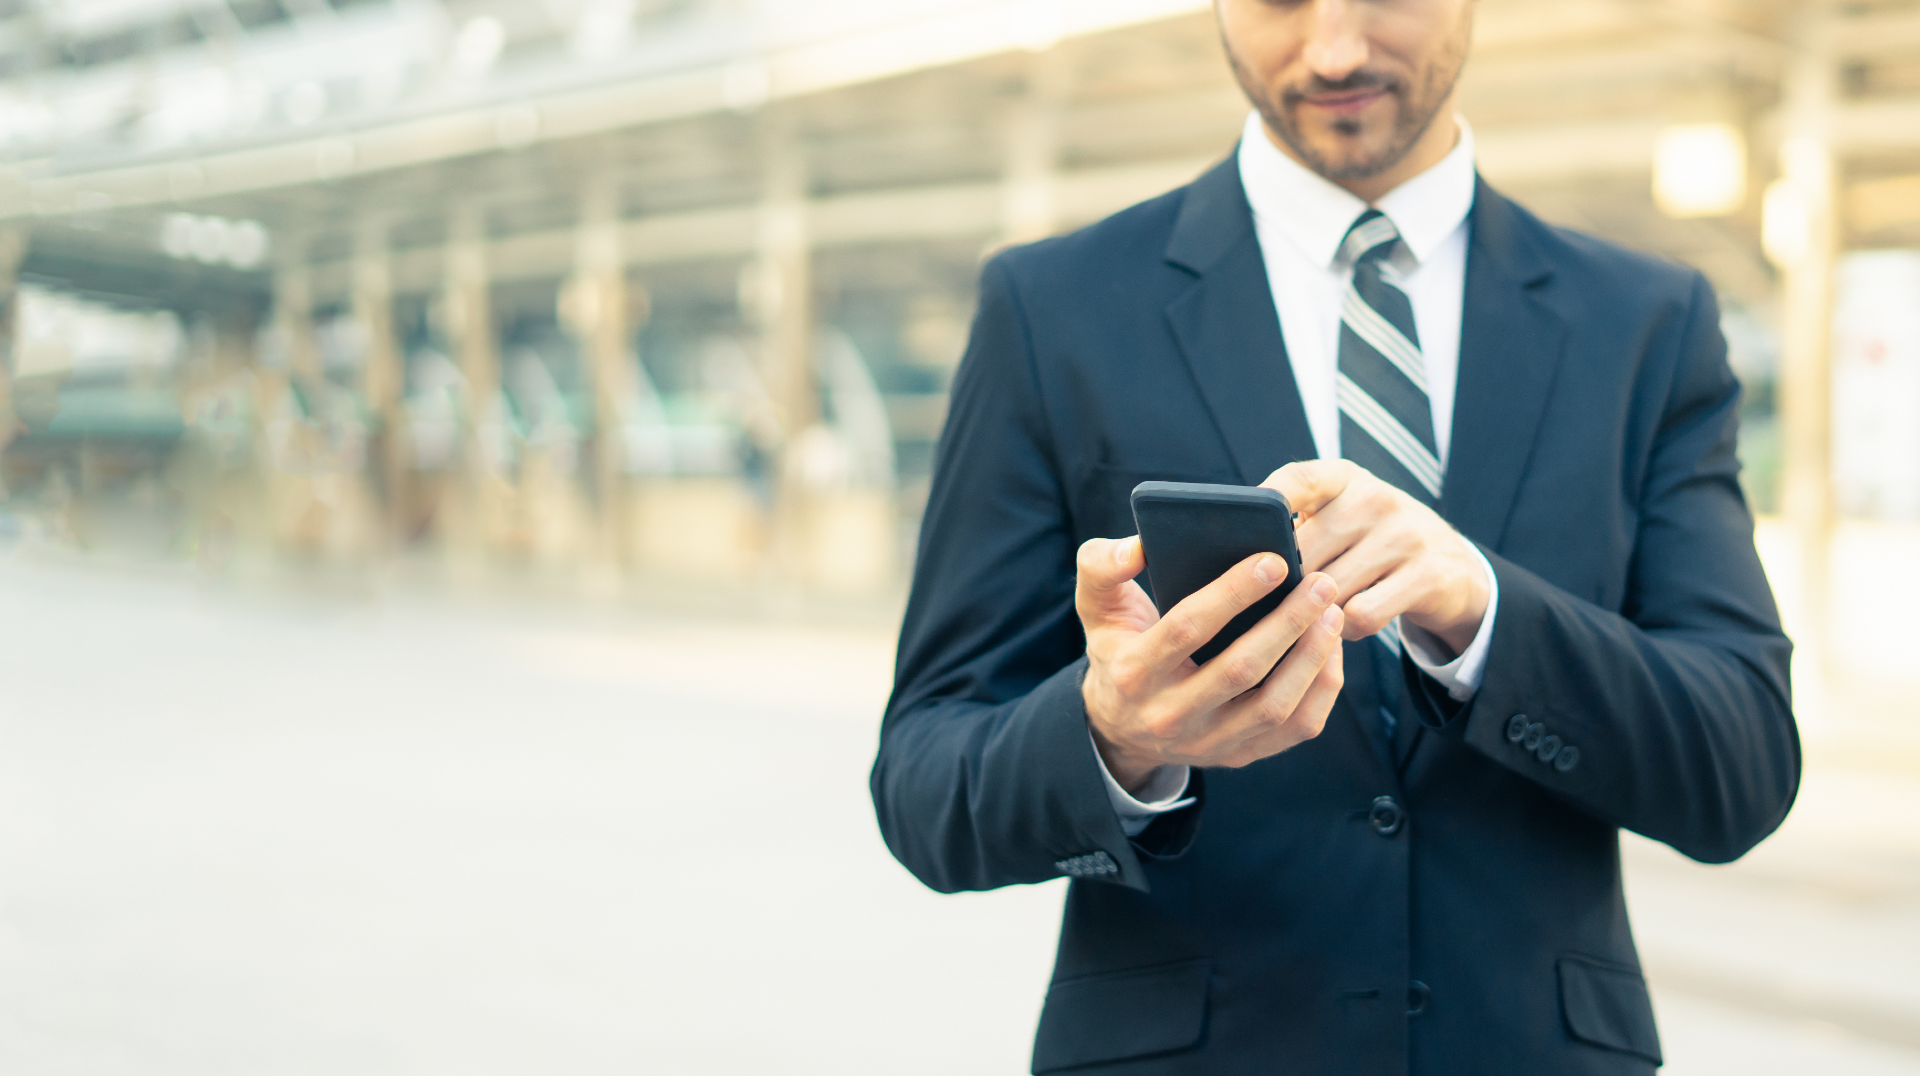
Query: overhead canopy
x: 315, y: 119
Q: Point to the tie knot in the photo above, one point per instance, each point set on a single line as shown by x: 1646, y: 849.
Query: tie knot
x: 1370, y: 237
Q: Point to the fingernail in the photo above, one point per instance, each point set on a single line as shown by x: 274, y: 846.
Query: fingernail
x: 1123, y: 550
x: 1332, y: 617
x: 1268, y: 570
x: 1324, y: 590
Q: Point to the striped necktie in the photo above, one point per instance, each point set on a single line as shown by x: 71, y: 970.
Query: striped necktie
x: 1386, y: 422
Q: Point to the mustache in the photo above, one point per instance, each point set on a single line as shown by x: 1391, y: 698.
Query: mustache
x: 1315, y: 86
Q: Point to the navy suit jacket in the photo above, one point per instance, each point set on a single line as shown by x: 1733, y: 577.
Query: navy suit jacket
x: 1284, y: 923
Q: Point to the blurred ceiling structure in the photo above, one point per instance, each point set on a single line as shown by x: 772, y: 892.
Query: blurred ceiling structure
x: 768, y: 169
x: 914, y: 120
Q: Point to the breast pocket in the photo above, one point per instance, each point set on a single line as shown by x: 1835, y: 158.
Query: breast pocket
x: 1120, y: 1015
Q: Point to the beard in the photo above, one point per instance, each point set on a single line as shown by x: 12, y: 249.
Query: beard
x: 1416, y: 105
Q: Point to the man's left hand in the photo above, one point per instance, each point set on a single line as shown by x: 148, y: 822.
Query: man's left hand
x: 1390, y: 554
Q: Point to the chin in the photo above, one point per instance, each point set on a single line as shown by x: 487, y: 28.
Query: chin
x: 1341, y: 159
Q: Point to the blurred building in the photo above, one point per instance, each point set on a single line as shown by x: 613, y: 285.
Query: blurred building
x: 677, y: 286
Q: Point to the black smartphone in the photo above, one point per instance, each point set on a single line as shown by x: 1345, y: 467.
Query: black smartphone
x: 1193, y: 533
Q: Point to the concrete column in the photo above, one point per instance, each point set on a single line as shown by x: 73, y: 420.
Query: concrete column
x: 784, y: 287
x: 468, y: 308
x: 293, y: 312
x: 1030, y: 202
x: 782, y: 293
x: 1804, y: 230
x: 596, y: 307
x: 383, y: 374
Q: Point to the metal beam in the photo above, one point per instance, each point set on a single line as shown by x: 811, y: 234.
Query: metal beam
x: 1511, y: 155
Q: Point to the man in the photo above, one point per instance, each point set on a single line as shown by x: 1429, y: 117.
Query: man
x: 1511, y: 451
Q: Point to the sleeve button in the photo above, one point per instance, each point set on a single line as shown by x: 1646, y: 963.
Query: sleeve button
x: 1517, y: 728
x: 1549, y: 746
x: 1567, y: 758
x: 1533, y: 735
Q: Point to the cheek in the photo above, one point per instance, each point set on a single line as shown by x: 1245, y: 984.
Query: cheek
x: 1259, y: 37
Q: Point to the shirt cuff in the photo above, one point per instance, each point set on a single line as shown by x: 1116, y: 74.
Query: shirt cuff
x: 1165, y: 789
x: 1461, y: 675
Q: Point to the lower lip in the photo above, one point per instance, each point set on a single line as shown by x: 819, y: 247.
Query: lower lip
x: 1346, y: 103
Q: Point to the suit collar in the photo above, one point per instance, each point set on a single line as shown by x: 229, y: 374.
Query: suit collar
x: 1228, y: 330
x: 1213, y: 217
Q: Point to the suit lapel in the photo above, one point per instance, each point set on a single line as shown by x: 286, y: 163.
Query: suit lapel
x: 1511, y: 342
x: 1510, y: 345
x: 1229, y: 332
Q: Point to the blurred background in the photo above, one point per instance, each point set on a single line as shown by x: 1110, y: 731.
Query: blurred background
x: 462, y: 459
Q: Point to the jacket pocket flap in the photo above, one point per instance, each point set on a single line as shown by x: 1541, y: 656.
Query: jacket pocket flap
x: 1607, y: 1004
x: 1122, y: 1014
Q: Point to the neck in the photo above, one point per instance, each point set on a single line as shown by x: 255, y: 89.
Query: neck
x: 1428, y: 150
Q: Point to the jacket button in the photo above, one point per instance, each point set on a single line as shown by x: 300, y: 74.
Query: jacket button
x: 1534, y: 733
x: 1549, y: 746
x: 1386, y: 816
x: 1567, y: 758
x: 1417, y: 997
x: 1517, y: 728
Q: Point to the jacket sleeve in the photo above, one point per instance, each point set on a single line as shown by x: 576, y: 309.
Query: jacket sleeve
x: 1670, y: 717
x: 985, y: 774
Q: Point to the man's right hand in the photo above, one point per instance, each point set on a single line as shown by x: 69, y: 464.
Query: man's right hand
x: 1150, y: 705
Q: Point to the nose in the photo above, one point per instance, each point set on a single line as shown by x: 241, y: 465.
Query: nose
x: 1336, y: 42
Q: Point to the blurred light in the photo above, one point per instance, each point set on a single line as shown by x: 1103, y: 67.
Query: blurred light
x: 176, y: 235
x: 478, y: 44
x: 247, y: 244
x: 24, y: 121
x: 1786, y: 223
x: 212, y: 240
x: 305, y: 102
x: 208, y: 242
x: 1699, y: 170
x: 251, y: 99
x: 1039, y: 25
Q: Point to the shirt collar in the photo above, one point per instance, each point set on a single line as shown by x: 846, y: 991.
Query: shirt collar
x: 1314, y: 214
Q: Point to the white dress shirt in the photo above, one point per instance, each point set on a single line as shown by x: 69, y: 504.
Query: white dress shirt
x: 1300, y: 218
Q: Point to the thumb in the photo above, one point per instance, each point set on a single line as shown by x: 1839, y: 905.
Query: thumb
x: 1106, y: 569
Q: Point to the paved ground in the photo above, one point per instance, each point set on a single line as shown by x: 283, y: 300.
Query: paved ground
x: 245, y: 832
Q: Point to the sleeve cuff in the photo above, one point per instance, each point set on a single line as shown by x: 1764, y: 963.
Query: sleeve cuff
x: 1461, y: 675
x: 1164, y: 790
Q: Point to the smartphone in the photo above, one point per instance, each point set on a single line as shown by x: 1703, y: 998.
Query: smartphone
x: 1193, y: 533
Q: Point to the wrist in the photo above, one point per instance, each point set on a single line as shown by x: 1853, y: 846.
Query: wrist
x: 1130, y: 771
x: 1457, y: 628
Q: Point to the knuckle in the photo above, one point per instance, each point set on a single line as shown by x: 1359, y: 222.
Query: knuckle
x: 1084, y: 557
x: 1241, y: 671
x: 1128, y: 675
x: 1361, y: 619
x: 1182, y: 633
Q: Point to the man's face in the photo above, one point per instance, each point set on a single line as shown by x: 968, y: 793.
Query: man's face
x: 1348, y: 85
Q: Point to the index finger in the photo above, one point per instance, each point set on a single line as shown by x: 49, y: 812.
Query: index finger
x: 1310, y: 485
